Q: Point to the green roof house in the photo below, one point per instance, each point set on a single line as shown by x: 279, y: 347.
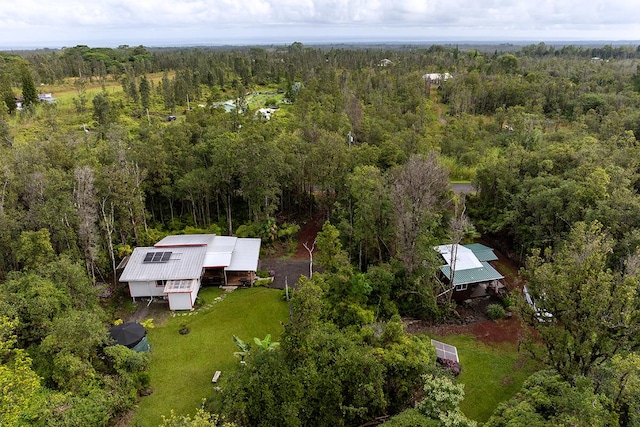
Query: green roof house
x: 468, y: 270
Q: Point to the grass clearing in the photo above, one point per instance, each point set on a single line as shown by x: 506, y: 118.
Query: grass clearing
x: 491, y: 374
x: 182, y: 365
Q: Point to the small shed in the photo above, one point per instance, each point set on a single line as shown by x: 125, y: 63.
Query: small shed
x: 131, y: 335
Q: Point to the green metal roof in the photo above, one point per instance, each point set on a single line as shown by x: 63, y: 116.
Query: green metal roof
x: 482, y: 252
x: 486, y: 273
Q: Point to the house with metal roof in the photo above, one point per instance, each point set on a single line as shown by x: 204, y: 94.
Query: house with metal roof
x: 468, y: 270
x: 177, y: 266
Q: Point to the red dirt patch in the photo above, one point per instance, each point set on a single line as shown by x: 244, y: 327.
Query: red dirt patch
x: 307, y: 234
x: 486, y: 331
x: 472, y: 320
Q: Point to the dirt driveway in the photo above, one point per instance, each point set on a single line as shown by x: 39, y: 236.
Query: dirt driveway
x: 289, y: 270
x: 286, y: 270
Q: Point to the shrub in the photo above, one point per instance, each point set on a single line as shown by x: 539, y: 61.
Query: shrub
x: 507, y: 302
x: 262, y: 282
x: 263, y: 274
x: 450, y: 366
x: 288, y: 231
x: 495, y: 311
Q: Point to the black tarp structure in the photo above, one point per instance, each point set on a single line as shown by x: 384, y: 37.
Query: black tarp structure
x: 130, y: 334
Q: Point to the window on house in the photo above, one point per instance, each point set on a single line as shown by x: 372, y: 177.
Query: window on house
x: 161, y: 283
x: 461, y: 287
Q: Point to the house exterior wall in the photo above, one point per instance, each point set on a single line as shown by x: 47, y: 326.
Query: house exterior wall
x: 183, y: 300
x: 145, y: 289
x: 180, y: 301
x: 461, y: 295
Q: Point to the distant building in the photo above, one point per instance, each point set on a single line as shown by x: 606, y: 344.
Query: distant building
x: 385, y: 63
x: 46, y: 97
x: 436, y: 78
x: 266, y: 112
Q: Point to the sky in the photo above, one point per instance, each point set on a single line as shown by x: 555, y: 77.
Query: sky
x: 109, y: 23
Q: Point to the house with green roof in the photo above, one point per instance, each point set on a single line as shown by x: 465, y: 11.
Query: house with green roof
x: 468, y: 270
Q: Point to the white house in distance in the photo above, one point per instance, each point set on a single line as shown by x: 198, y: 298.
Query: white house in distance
x: 473, y: 275
x: 436, y: 78
x: 177, y: 266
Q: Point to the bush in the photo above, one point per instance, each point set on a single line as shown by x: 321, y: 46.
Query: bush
x: 507, y: 302
x: 495, y: 311
x: 262, y: 282
x: 450, y: 366
x: 410, y: 418
x: 263, y: 274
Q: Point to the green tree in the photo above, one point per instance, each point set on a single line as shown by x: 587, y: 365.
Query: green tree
x: 5, y: 130
x: 330, y: 253
x: 547, y: 400
x: 34, y: 249
x: 19, y: 384
x: 103, y: 112
x: 411, y: 418
x: 145, y: 92
x: 593, y: 311
x: 442, y: 400
x: 619, y: 380
x: 37, y: 301
x: 371, y: 214
x: 29, y: 92
x: 6, y: 93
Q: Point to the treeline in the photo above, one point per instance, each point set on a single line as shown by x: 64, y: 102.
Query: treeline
x: 549, y: 140
x: 348, y: 124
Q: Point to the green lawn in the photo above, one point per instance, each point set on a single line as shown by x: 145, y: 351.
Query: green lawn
x: 490, y: 373
x: 182, y: 365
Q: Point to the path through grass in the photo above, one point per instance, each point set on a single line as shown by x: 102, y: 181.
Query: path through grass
x: 182, y: 365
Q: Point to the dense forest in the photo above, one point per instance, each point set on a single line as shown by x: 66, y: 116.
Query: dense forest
x: 140, y: 143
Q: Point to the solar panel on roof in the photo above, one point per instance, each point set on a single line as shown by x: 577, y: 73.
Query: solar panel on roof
x: 157, y: 257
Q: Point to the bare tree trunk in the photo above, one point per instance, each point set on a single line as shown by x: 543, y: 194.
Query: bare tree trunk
x: 2, y: 198
x: 418, y: 190
x: 85, y: 203
x: 139, y: 179
x: 229, y: 223
x: 310, y: 250
x: 107, y: 222
x: 459, y: 223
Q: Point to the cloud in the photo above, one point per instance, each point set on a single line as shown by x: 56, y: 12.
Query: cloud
x: 596, y: 19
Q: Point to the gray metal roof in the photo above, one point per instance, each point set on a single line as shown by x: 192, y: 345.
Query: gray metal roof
x: 186, y: 240
x: 486, y: 273
x: 189, y: 254
x: 184, y: 263
x: 245, y: 255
